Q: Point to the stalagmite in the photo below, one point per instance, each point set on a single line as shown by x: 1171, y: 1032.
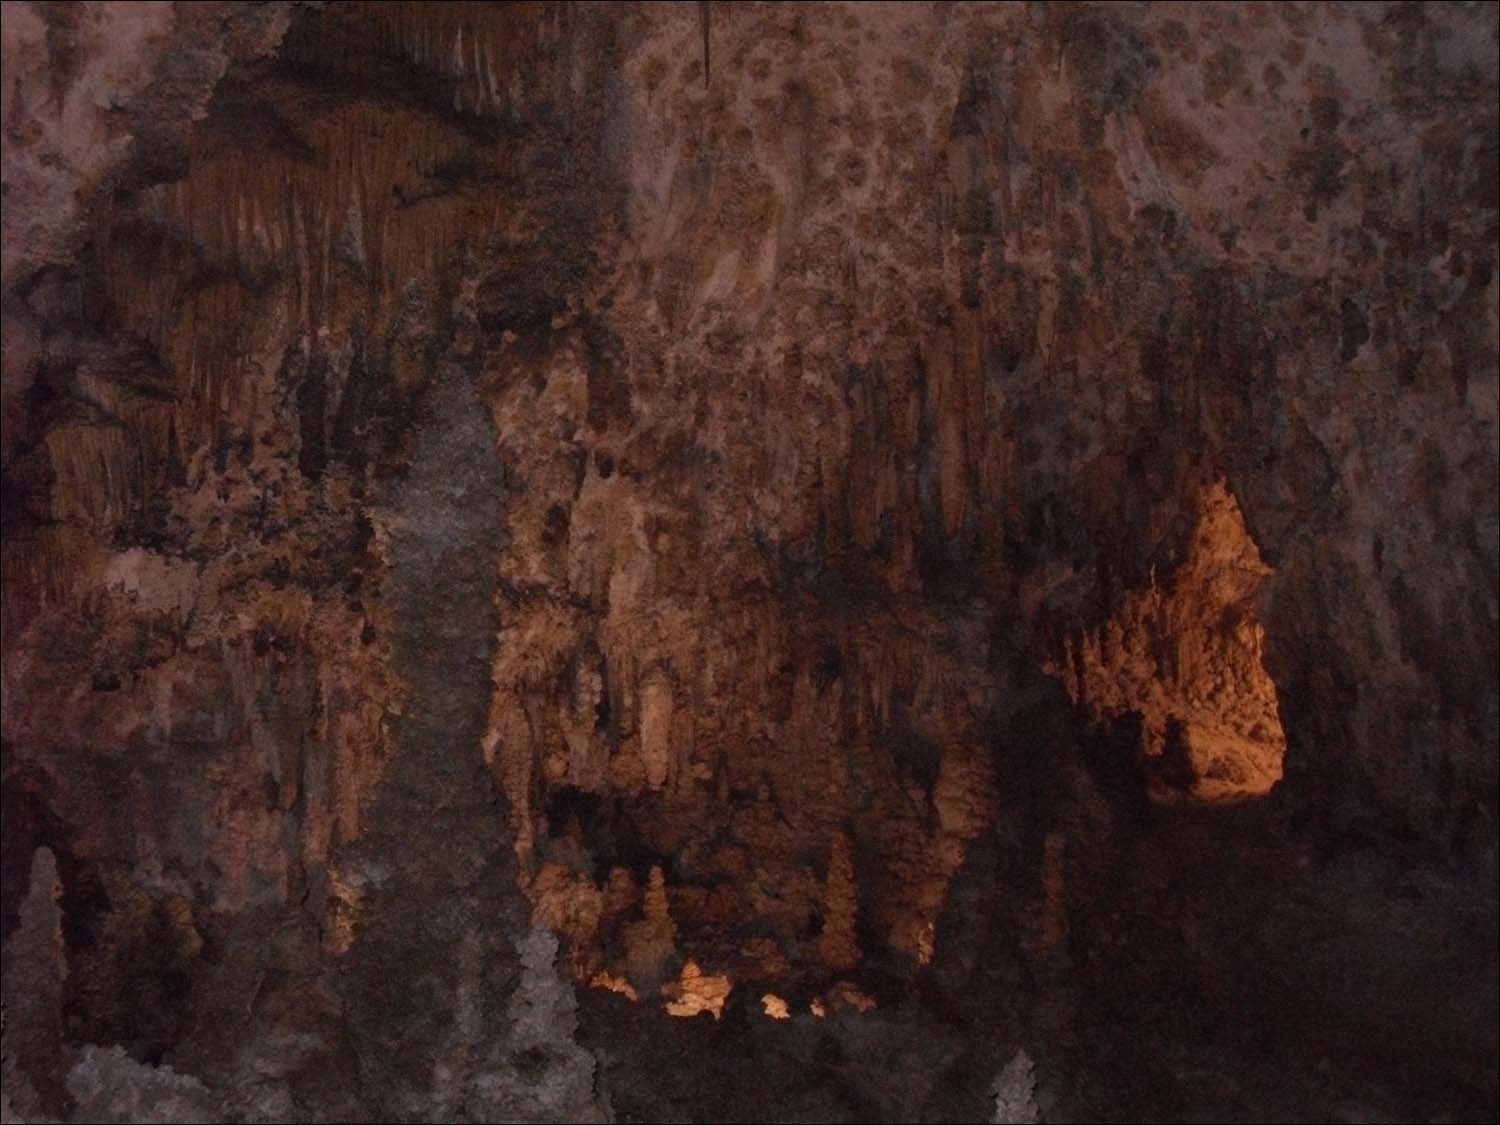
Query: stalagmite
x: 651, y: 943
x: 838, y: 948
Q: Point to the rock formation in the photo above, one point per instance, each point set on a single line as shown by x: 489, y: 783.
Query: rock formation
x: 1189, y: 659
x: 651, y: 943
x: 838, y: 947
x: 898, y: 499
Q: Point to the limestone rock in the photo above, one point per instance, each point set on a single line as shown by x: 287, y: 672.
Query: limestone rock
x: 1015, y: 1092
x: 838, y: 947
x: 109, y: 1086
x: 462, y: 462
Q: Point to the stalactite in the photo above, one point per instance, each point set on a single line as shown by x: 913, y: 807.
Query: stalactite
x: 656, y: 696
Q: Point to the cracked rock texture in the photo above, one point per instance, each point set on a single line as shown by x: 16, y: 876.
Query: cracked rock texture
x: 504, y: 496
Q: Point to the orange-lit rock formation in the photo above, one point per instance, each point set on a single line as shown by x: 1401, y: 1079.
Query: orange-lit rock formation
x: 1188, y: 660
x: 677, y: 496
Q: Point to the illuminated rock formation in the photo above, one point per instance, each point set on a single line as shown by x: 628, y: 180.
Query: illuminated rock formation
x: 1186, y: 657
x: 697, y: 991
x: 767, y: 490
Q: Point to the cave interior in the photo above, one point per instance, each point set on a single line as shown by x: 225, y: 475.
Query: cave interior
x: 750, y: 562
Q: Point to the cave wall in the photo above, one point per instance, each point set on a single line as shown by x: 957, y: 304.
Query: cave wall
x: 843, y: 365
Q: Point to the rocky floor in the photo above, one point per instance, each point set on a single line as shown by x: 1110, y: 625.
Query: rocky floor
x: 1234, y: 977
x: 1224, y: 977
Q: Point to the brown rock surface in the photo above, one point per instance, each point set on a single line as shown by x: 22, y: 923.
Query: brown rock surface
x: 628, y: 468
